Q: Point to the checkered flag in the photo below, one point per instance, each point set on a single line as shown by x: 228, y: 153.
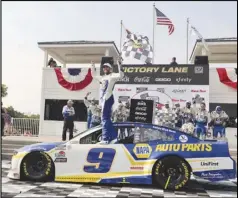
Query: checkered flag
x: 138, y: 47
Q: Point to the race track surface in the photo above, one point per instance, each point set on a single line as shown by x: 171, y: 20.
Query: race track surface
x: 196, y: 188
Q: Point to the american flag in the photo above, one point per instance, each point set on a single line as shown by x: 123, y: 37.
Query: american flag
x: 164, y: 20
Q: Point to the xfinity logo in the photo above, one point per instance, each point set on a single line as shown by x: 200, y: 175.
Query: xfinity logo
x: 184, y: 80
x: 209, y: 163
x: 179, y: 91
x: 163, y: 79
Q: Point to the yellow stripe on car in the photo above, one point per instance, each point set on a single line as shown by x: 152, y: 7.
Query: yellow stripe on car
x: 96, y: 177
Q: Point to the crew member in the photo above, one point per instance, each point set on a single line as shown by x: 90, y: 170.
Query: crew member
x: 107, y: 82
x: 68, y: 114
x: 95, y: 110
x: 127, y: 110
x: 201, y: 120
x: 179, y: 114
x: 218, y: 122
x: 119, y: 115
x: 188, y: 113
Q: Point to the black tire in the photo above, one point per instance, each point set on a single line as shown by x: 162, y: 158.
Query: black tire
x: 171, y: 173
x: 37, y: 166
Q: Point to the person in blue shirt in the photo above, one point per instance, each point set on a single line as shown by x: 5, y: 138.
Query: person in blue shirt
x: 201, y: 121
x: 68, y: 114
x: 218, y: 122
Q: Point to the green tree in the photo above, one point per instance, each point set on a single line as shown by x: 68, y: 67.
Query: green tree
x: 4, y: 90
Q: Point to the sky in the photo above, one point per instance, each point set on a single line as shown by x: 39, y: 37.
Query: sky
x: 26, y: 23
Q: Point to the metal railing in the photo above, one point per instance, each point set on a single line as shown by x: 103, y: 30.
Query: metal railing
x: 22, y: 127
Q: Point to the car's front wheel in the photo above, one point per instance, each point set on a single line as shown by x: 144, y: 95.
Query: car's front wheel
x: 37, y: 166
x: 171, y: 173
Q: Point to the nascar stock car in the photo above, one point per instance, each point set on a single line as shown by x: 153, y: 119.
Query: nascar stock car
x: 142, y: 154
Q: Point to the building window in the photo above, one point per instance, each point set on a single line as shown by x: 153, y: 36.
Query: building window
x: 53, y: 110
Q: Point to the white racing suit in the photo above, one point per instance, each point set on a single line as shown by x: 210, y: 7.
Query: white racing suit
x: 218, y: 121
x: 107, y: 83
x: 96, y: 113
x: 201, y: 120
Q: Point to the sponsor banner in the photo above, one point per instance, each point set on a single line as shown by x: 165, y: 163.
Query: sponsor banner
x: 166, y: 74
x: 161, y: 94
x: 140, y: 110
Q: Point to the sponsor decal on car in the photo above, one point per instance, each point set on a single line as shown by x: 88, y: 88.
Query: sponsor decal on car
x: 142, y: 150
x: 61, y: 160
x: 209, y: 164
x: 184, y: 147
x: 60, y: 154
x: 136, y: 168
x: 183, y: 138
x: 61, y: 147
x: 120, y: 89
x: 210, y: 175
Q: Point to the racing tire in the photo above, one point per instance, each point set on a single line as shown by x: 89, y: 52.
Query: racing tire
x: 37, y: 166
x: 171, y: 173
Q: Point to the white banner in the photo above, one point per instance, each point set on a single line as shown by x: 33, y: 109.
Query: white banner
x: 163, y: 93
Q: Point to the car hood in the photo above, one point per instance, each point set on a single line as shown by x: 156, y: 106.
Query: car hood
x: 39, y: 147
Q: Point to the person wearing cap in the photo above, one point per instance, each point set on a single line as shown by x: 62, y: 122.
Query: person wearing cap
x: 95, y: 110
x: 107, y: 82
x: 201, y: 121
x: 68, y: 114
x: 218, y: 122
x: 188, y: 113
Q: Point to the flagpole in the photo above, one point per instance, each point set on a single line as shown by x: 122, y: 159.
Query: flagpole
x: 187, y: 40
x: 121, y: 36
x: 153, y: 33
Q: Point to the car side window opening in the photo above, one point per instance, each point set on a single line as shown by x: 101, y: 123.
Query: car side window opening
x: 92, y: 138
x: 143, y: 135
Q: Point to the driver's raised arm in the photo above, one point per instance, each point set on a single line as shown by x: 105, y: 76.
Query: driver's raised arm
x: 94, y: 73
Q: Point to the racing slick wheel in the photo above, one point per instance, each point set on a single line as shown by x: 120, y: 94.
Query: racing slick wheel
x: 171, y: 172
x: 37, y: 166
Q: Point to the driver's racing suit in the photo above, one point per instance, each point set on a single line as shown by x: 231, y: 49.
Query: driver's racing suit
x: 107, y: 83
x: 218, y: 121
x: 96, y: 113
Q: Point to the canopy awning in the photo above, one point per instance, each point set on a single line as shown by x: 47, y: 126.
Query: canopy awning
x: 79, y: 52
x: 221, y: 50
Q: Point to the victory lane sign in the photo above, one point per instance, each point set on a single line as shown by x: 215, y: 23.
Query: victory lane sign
x: 141, y: 111
x: 166, y: 74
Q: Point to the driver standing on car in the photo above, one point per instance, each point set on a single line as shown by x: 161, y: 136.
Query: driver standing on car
x: 107, y: 82
x: 95, y: 110
x: 68, y: 114
x: 218, y: 122
x: 201, y: 120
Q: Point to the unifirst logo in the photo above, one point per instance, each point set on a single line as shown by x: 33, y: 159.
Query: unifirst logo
x: 184, y: 147
x: 142, y: 150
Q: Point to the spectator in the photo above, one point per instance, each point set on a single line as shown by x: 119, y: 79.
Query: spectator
x: 68, y: 114
x: 52, y: 63
x: 3, y: 111
x: 174, y: 63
